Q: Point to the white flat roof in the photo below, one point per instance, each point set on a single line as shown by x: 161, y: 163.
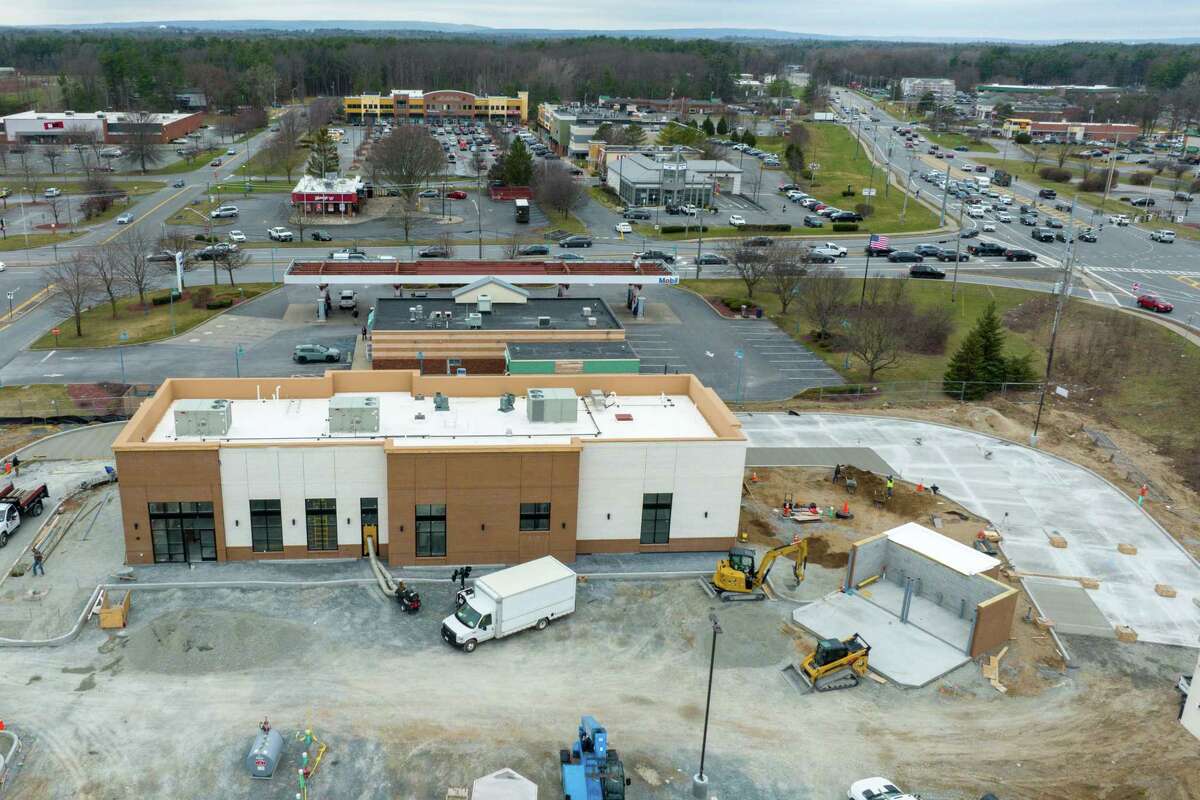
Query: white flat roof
x: 942, y: 549
x: 470, y: 421
x: 508, y: 582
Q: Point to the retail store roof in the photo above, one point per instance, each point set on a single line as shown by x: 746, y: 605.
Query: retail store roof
x: 564, y: 313
x: 557, y: 351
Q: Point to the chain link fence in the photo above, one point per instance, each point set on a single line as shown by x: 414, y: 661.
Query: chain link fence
x: 922, y: 391
x: 71, y: 402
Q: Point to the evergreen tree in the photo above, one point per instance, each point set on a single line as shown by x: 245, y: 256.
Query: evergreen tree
x: 722, y: 127
x: 518, y: 165
x: 992, y: 366
x: 635, y: 135
x: 735, y: 137
x: 709, y: 130
x: 980, y: 361
x: 322, y: 155
x: 961, y: 372
x: 749, y: 138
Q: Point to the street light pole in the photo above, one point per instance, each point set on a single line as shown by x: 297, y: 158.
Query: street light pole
x: 945, y: 194
x: 1064, y: 290
x: 957, y: 251
x: 700, y: 780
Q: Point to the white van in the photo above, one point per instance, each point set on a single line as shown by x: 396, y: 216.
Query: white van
x: 974, y: 212
x: 983, y: 182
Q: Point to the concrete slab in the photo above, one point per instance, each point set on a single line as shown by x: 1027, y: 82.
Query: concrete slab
x: 1070, y: 607
x: 88, y: 442
x: 924, y: 614
x: 1028, y: 495
x: 862, y: 457
x: 901, y: 653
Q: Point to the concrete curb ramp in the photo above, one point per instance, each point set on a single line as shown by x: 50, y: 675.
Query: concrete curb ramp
x: 1030, y: 496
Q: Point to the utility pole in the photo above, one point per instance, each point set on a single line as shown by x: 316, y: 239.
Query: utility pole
x: 957, y: 251
x: 945, y: 194
x: 907, y: 187
x: 1064, y: 290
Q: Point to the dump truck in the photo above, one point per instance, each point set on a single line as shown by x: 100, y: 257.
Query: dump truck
x: 15, y: 504
x: 528, y: 595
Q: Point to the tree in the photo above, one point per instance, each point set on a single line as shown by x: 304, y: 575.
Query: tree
x: 878, y: 327
x: 635, y: 135
x: 278, y: 156
x: 290, y: 125
x: 1002, y: 111
x: 518, y: 165
x: 750, y: 263
x: 748, y: 138
x: 676, y: 134
x: 709, y: 129
x: 980, y: 365
x: 141, y: 140
x: 786, y: 270
x: 407, y: 158
x: 445, y: 240
x: 722, y: 127
x: 555, y: 188
x: 52, y: 153
x: 1022, y: 138
x: 108, y: 276
x: 406, y: 212
x: 779, y: 88
x: 320, y: 113
x: 231, y: 260
x: 72, y: 286
x: 927, y: 103
x: 1036, y: 153
x: 824, y: 300
x: 323, y: 155
x: 133, y: 264
x: 1062, y: 153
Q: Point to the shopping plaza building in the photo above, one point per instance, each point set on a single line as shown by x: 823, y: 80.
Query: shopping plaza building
x: 414, y: 105
x: 435, y: 469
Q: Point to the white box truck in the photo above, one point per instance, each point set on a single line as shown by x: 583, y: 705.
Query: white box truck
x: 525, y: 596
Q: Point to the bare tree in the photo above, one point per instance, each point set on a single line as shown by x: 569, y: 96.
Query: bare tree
x: 177, y: 241
x: 823, y: 300
x: 445, y: 240
x: 57, y: 206
x: 52, y: 153
x: 787, y: 266
x: 106, y: 267
x: 72, y: 285
x: 142, y: 140
x: 407, y: 158
x: 750, y: 263
x: 512, y: 247
x: 1063, y: 152
x: 133, y: 262
x: 28, y: 174
x: 877, y: 331
x: 290, y: 125
x: 555, y: 188
x: 320, y: 112
x: 406, y: 212
x: 4, y: 154
x: 231, y: 260
x: 278, y: 156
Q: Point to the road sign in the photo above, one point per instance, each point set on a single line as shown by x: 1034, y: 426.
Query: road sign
x: 814, y: 166
x: 55, y: 331
x: 868, y: 192
x: 123, y: 336
x: 738, y: 354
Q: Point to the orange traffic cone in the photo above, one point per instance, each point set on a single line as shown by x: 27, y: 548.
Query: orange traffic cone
x: 754, y: 477
x: 846, y: 507
x: 920, y: 487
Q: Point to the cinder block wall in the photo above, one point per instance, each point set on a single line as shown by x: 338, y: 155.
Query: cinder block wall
x: 867, y: 559
x: 938, y: 583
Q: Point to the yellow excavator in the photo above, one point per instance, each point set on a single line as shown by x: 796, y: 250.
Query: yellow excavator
x: 836, y: 663
x: 736, y: 578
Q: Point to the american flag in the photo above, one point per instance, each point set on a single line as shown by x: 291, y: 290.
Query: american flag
x: 878, y: 242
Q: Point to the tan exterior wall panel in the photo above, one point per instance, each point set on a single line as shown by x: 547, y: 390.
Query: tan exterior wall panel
x: 166, y: 476
x: 993, y: 622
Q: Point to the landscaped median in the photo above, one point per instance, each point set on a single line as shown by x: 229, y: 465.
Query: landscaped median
x: 151, y: 322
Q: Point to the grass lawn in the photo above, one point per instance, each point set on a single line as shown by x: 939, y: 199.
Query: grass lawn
x: 203, y: 208
x: 565, y: 222
x: 844, y: 163
x: 953, y: 140
x: 142, y: 325
x: 259, y: 163
x: 54, y: 399
x: 238, y: 186
x: 606, y: 199
x: 131, y: 186
x: 17, y: 242
x: 185, y: 165
x: 972, y: 299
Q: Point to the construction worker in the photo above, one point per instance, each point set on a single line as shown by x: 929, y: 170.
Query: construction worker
x: 891, y: 484
x: 837, y: 472
x: 38, y: 567
x: 16, y: 466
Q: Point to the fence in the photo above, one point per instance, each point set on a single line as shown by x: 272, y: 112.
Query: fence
x: 72, y: 402
x: 909, y: 391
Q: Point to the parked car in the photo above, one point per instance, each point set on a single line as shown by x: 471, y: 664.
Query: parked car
x: 876, y: 789
x: 52, y: 192
x: 237, y: 236
x: 125, y: 219
x: 304, y: 353
x: 846, y: 216
x: 321, y: 236
x: 1155, y: 303
x: 635, y: 213
x: 161, y: 256
x: 1018, y: 254
x: 623, y: 227
x: 433, y: 251
x: 224, y: 212
x: 1164, y: 236
x: 925, y: 271
x: 711, y: 260
x: 533, y: 250
x: 813, y: 221
x: 457, y: 194
x: 905, y: 257
x: 737, y: 220
x: 279, y: 234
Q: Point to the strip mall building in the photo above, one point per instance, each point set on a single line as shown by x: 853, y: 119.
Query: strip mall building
x: 438, y: 469
x: 414, y: 105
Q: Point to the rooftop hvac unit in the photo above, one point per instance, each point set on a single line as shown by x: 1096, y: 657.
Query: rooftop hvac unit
x: 543, y: 322
x: 551, y: 405
x: 475, y: 320
x: 507, y: 402
x: 484, y: 302
x: 441, y: 402
x: 202, y: 417
x: 586, y: 311
x: 354, y: 415
x: 591, y: 322
x: 412, y: 314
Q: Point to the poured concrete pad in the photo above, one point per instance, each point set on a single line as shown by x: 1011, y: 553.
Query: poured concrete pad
x: 901, y: 653
x: 1029, y: 496
x: 1070, y: 607
x: 863, y: 458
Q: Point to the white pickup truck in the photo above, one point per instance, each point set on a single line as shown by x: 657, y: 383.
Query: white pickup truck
x: 1120, y: 220
x: 509, y: 601
x: 18, y: 503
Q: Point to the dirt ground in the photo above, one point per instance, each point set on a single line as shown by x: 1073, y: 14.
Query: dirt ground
x: 1174, y: 505
x: 1032, y: 662
x: 13, y: 437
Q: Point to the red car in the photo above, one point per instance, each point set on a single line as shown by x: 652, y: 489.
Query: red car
x: 1155, y: 303
x: 457, y: 194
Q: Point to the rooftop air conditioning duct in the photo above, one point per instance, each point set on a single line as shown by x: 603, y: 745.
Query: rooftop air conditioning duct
x: 484, y: 303
x: 587, y: 311
x: 543, y: 322
x: 591, y: 322
x: 475, y: 320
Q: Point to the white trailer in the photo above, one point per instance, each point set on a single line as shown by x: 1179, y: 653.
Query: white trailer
x: 525, y: 596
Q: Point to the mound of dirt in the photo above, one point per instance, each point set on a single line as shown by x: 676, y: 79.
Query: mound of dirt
x: 196, y: 641
x: 826, y: 554
x: 989, y: 420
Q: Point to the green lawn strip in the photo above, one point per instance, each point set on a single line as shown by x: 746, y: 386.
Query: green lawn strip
x: 606, y: 199
x: 203, y: 208
x: 37, y: 399
x: 568, y: 222
x: 972, y: 299
x: 952, y: 140
x: 17, y: 241
x: 143, y: 325
x: 188, y: 165
x: 131, y: 186
x: 260, y: 163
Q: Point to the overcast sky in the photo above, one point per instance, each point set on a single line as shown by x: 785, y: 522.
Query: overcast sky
x: 1011, y: 19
